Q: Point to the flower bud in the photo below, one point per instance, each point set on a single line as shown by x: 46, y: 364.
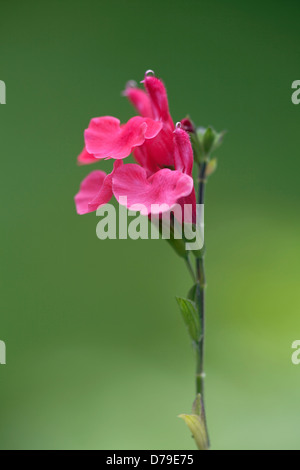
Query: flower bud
x: 188, y: 125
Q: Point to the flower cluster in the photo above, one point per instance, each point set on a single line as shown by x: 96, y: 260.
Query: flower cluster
x: 162, y: 174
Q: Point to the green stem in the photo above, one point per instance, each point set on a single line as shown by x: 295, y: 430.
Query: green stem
x: 202, y: 181
x: 200, y: 299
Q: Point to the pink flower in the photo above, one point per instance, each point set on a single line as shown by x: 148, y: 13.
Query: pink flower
x: 163, y: 152
x: 107, y: 138
x: 95, y: 191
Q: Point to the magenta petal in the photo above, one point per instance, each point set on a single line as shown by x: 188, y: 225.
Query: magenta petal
x: 189, y: 208
x: 164, y: 187
x: 105, y: 193
x: 157, y: 153
x: 106, y: 138
x: 144, y: 157
x: 86, y: 158
x: 89, y: 188
x: 153, y: 127
x: 140, y: 101
x: 158, y: 96
x: 183, y: 152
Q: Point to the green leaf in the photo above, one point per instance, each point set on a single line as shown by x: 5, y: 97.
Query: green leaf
x: 208, y: 140
x: 200, y: 134
x: 197, y: 148
x: 177, y: 243
x: 190, y: 316
x: 196, y: 423
x: 192, y: 293
x: 178, y: 246
x: 197, y: 428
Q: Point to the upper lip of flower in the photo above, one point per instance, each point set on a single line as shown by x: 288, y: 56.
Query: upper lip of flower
x: 156, y: 144
x: 107, y: 138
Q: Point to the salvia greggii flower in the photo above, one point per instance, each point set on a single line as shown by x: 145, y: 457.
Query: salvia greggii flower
x: 162, y: 174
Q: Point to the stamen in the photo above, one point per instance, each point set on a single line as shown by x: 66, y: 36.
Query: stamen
x: 178, y: 125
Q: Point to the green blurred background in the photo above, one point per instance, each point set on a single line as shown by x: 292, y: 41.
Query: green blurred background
x: 97, y: 354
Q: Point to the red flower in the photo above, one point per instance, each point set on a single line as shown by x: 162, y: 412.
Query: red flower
x: 163, y: 152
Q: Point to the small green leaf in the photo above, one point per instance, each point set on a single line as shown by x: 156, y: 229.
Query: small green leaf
x: 178, y: 246
x: 176, y: 242
x: 197, y: 428
x: 197, y: 148
x: 196, y: 423
x: 192, y: 293
x: 208, y: 140
x: 190, y: 316
x: 200, y: 134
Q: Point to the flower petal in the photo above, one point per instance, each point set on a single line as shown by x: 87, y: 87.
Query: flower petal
x: 95, y: 190
x: 86, y: 158
x: 165, y: 187
x: 89, y: 188
x: 183, y: 152
x: 157, y: 153
x: 105, y: 192
x: 189, y: 208
x: 158, y: 96
x: 140, y: 100
x: 106, y: 138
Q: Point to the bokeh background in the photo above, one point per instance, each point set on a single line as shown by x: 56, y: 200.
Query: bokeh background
x: 97, y: 353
